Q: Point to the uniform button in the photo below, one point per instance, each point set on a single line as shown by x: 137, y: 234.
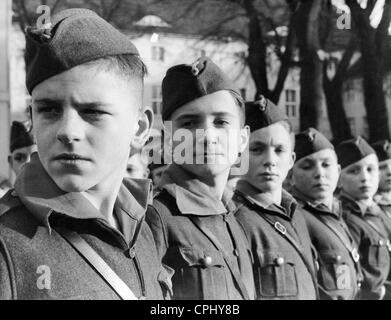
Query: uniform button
x: 280, y: 261
x: 236, y: 253
x: 207, y: 261
x: 339, y: 258
x: 131, y: 253
x: 381, y: 242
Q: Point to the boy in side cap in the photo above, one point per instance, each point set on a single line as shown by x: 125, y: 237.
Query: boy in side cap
x: 73, y: 228
x: 194, y: 225
x: 21, y: 147
x: 284, y: 267
x: 383, y: 152
x: 315, y: 177
x: 359, y: 182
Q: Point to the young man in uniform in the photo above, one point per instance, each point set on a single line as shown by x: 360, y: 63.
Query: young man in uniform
x: 314, y: 179
x: 21, y: 147
x: 284, y: 266
x: 383, y: 196
x: 359, y: 182
x: 72, y: 228
x: 194, y: 226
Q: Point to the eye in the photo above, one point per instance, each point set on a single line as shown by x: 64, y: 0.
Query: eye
x: 188, y: 124
x: 221, y: 122
x: 93, y: 113
x: 256, y: 149
x: 325, y: 164
x: 354, y: 171
x: 49, y: 111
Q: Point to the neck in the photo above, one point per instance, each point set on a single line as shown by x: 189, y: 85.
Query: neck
x: 217, y: 184
x: 328, y: 202
x: 275, y: 195
x: 366, y: 202
x: 103, y: 198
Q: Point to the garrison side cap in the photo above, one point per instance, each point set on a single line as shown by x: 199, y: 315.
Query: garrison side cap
x: 20, y: 136
x: 184, y: 83
x: 262, y: 113
x: 74, y: 37
x: 382, y: 149
x: 353, y: 150
x: 310, y: 141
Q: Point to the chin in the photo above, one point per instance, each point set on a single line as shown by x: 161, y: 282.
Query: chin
x: 207, y: 171
x: 72, y: 184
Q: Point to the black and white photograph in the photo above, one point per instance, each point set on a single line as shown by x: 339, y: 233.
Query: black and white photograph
x: 194, y: 154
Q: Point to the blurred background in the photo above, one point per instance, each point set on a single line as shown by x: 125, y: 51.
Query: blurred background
x: 326, y: 63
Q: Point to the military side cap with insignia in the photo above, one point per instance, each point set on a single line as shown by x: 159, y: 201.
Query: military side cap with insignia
x: 383, y: 149
x: 184, y: 83
x: 353, y: 150
x: 74, y: 37
x: 309, y: 142
x: 262, y: 113
x: 20, y: 136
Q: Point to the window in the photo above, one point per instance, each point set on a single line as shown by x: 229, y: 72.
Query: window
x: 243, y: 93
x: 291, y: 103
x: 156, y: 99
x: 157, y: 53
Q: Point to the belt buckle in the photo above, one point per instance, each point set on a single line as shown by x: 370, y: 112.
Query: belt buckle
x: 355, y: 255
x: 388, y: 244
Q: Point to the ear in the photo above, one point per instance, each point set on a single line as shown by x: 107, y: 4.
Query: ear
x: 244, y: 138
x: 143, y: 129
x: 292, y: 160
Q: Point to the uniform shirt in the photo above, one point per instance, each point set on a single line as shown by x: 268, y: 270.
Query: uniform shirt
x: 279, y: 269
x: 201, y: 272
x: 367, y: 228
x: 339, y: 274
x: 36, y: 262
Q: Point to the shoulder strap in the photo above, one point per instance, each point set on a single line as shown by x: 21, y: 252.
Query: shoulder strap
x: 97, y: 263
x: 346, y: 242
x: 197, y: 221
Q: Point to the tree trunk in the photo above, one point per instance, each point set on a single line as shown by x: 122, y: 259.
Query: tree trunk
x: 333, y: 93
x: 256, y: 58
x: 371, y: 50
x: 311, y: 76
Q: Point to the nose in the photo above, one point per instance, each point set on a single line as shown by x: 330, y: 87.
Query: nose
x: 210, y: 135
x: 270, y: 158
x: 319, y: 171
x: 364, y: 175
x: 70, y: 127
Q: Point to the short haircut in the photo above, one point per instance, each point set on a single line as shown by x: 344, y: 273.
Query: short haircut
x: 240, y: 102
x: 288, y: 126
x: 128, y: 66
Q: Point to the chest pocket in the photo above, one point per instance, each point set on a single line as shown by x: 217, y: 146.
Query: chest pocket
x: 378, y: 255
x: 275, y: 274
x: 334, y: 273
x: 199, y: 274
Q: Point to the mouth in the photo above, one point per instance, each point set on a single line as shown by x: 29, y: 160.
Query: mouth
x: 269, y: 175
x: 70, y: 157
x: 365, y: 188
x: 321, y: 185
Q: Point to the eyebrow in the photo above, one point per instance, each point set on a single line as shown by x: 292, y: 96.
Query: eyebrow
x: 58, y: 102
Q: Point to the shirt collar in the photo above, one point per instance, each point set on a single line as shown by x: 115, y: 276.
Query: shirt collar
x: 358, y: 207
x: 192, y: 195
x: 288, y: 203
x: 318, y: 207
x: 38, y: 192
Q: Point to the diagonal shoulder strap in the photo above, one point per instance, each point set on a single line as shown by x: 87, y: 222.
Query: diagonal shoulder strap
x: 97, y: 263
x: 197, y: 221
x: 346, y: 242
